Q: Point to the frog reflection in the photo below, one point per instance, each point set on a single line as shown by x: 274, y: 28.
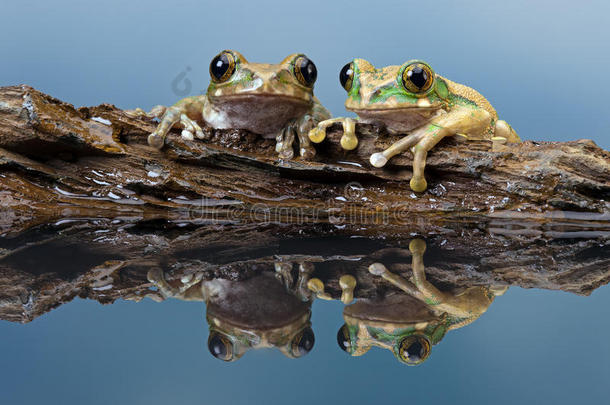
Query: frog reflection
x: 410, y: 324
x: 255, y: 313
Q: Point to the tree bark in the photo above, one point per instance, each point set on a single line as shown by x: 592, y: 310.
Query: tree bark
x: 59, y: 162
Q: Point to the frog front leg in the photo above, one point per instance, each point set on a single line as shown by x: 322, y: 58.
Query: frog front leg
x: 420, y: 288
x: 349, y: 141
x: 433, y: 295
x: 284, y: 142
x: 285, y: 139
x: 301, y: 128
x: 461, y: 120
x: 284, y: 273
x: 185, y: 113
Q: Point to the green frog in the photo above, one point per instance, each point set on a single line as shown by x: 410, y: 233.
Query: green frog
x: 272, y: 100
x: 412, y: 99
x: 244, y: 315
x: 410, y: 324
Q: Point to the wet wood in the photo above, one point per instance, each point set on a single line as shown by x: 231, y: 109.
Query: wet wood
x: 59, y: 162
x: 109, y: 259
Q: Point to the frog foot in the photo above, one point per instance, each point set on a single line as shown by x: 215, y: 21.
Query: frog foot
x: 306, y: 149
x: 419, y: 185
x: 284, y: 143
x: 316, y: 286
x: 347, y: 282
x: 284, y: 273
x: 157, y: 277
x: 156, y: 112
x: 301, y: 289
x: 174, y: 115
x: 349, y: 141
x: 417, y: 246
x: 156, y: 139
x: 191, y: 128
x: 504, y: 130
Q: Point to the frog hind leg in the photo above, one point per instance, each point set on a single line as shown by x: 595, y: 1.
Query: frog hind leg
x: 504, y: 130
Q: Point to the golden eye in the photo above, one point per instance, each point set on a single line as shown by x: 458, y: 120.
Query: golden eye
x: 414, y: 349
x: 346, y: 76
x: 303, y: 342
x: 222, y: 67
x: 417, y: 78
x: 220, y: 346
x: 305, y: 71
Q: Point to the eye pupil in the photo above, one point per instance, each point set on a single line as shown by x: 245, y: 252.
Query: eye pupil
x: 343, y: 339
x: 305, y: 71
x: 304, y: 343
x: 222, y: 67
x: 415, y: 351
x: 346, y: 76
x: 219, y: 347
x: 418, y: 76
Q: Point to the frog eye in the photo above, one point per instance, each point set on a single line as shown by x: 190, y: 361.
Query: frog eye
x: 417, y: 77
x: 222, y: 67
x: 303, y: 342
x: 343, y: 339
x: 414, y: 349
x: 220, y: 346
x: 305, y: 71
x: 346, y: 76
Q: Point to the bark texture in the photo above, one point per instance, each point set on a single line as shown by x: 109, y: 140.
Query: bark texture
x: 88, y: 208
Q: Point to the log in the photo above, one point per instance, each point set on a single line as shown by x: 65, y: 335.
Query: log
x: 58, y: 161
x: 86, y: 203
x: 109, y: 259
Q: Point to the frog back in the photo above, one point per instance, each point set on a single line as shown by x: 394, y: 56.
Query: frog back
x: 465, y: 94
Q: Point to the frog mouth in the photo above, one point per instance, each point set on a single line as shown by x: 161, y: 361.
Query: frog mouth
x: 385, y: 110
x: 257, y: 96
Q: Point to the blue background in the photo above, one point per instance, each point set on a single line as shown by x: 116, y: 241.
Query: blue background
x: 539, y: 347
x: 542, y: 64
